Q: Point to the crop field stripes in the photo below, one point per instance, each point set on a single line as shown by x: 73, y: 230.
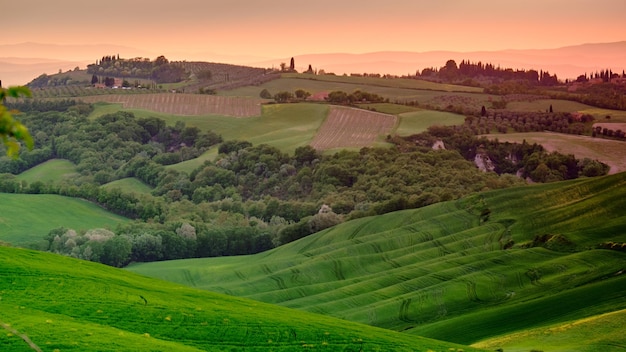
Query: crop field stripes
x: 357, y: 230
x: 279, y: 282
x: 184, y: 104
x: 350, y: 127
x: 240, y: 275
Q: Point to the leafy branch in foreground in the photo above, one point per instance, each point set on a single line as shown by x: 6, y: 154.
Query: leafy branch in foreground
x: 11, y: 130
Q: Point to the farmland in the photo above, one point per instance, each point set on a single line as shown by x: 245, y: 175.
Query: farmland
x: 475, y: 270
x: 54, y: 170
x: 419, y: 121
x: 440, y: 271
x: 184, y: 104
x: 349, y: 127
x: 27, y: 218
x: 610, y: 152
x: 64, y: 304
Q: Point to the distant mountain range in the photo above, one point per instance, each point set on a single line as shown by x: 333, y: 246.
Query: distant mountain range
x: 25, y: 61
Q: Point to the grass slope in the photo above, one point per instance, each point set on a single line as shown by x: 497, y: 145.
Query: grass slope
x: 52, y: 171
x: 419, y: 121
x: 441, y: 272
x: 602, y: 331
x: 130, y: 184
x: 395, y: 90
x: 27, y: 218
x: 64, y: 304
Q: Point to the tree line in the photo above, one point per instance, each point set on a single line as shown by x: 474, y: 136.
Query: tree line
x: 467, y: 71
x: 160, y: 70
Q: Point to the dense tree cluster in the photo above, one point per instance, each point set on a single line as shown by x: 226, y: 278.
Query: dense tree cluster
x: 603, y: 95
x: 145, y: 243
x: 101, y: 147
x: 530, y: 161
x: 470, y: 72
x: 358, y: 96
x: 604, y: 75
x: 505, y: 121
x: 160, y: 70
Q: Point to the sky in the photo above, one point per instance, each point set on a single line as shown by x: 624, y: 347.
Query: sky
x: 280, y: 28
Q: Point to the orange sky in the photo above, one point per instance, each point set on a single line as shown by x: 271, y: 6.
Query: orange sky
x: 280, y: 28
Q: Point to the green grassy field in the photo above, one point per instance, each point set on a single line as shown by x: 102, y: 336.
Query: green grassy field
x: 419, y: 121
x: 284, y: 126
x: 386, y: 82
x: 54, y: 170
x: 189, y: 165
x: 131, y: 185
x: 543, y: 105
x: 65, y: 304
x: 602, y: 331
x: 442, y: 273
x: 412, y: 90
x: 27, y: 218
x: 611, y: 152
x: 568, y: 106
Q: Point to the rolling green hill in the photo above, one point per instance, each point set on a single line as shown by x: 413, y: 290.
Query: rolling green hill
x: 64, y: 304
x: 489, y: 265
x: 27, y: 218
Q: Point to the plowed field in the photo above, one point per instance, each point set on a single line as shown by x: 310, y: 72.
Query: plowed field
x: 349, y: 127
x: 184, y: 104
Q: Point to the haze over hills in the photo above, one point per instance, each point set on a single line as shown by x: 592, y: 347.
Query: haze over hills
x: 566, y: 62
x: 19, y: 67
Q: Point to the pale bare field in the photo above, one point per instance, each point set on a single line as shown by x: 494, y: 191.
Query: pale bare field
x: 611, y: 125
x: 610, y: 152
x: 184, y: 104
x: 349, y: 127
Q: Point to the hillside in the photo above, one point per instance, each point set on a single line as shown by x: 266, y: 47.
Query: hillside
x: 64, y: 304
x: 493, y: 264
x: 27, y: 218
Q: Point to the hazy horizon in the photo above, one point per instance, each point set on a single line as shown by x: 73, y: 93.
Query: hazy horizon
x: 281, y: 28
x: 246, y: 32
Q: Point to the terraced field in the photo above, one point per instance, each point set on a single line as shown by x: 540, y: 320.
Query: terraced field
x: 184, y: 104
x: 348, y: 127
x: 444, y: 273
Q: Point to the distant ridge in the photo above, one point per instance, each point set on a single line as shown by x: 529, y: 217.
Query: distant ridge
x: 566, y: 62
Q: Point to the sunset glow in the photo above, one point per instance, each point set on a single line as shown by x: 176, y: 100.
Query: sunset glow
x: 284, y: 28
x: 264, y: 34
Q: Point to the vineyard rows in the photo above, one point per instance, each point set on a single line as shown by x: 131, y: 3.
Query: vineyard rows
x: 226, y: 76
x: 185, y: 104
x: 349, y: 127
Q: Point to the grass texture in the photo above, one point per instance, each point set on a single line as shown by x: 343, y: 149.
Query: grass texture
x: 64, y: 304
x: 27, y: 218
x: 441, y: 271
